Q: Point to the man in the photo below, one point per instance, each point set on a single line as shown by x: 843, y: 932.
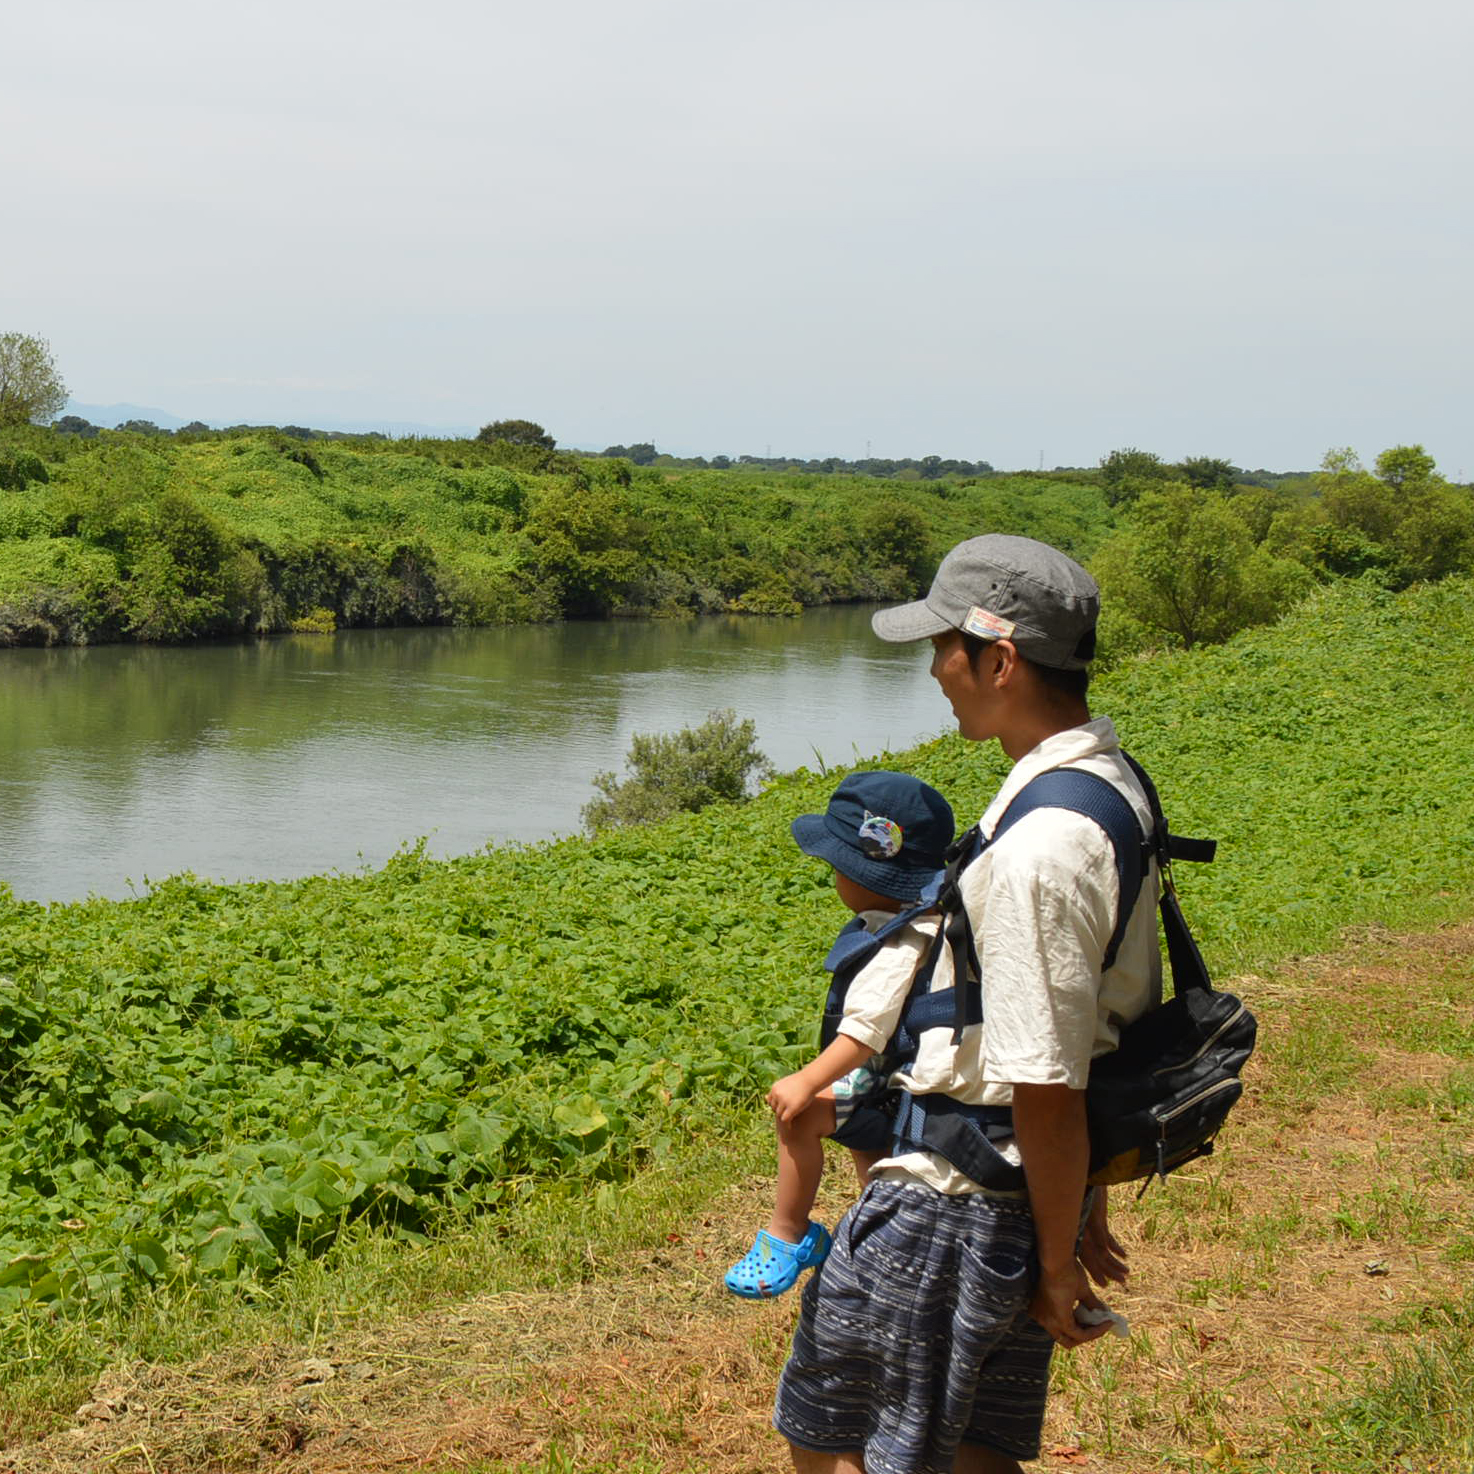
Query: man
x: 924, y: 1343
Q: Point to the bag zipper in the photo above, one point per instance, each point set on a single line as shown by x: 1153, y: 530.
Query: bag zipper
x: 1206, y: 1045
x: 1192, y: 1100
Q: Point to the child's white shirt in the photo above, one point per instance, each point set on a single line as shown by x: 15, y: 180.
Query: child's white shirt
x: 877, y: 993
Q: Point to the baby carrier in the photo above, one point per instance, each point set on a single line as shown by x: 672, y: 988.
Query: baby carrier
x: 1153, y: 1103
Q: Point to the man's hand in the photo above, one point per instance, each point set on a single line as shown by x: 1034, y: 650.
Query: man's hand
x: 791, y: 1096
x: 1053, y: 1306
x: 1049, y: 1122
x: 1102, y: 1254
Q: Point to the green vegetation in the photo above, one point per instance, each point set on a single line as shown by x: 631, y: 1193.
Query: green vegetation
x: 907, y: 468
x: 138, y: 535
x: 142, y: 535
x: 30, y: 386
x: 213, y: 1082
x: 1197, y: 556
x: 682, y: 773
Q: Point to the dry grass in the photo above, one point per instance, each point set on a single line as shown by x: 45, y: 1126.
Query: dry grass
x: 1265, y: 1284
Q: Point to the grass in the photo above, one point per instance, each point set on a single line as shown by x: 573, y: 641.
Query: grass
x: 1299, y: 1302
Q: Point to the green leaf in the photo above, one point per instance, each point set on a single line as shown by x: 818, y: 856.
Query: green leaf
x: 580, y: 1117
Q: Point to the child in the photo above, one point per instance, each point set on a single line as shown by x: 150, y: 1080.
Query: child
x: 885, y: 834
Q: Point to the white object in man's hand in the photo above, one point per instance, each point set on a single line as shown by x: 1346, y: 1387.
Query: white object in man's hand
x: 1119, y: 1325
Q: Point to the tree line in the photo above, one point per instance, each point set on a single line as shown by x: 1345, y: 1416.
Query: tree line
x: 1199, y: 554
x: 133, y: 536
x: 139, y: 533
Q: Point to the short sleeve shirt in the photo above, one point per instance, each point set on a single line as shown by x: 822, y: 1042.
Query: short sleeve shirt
x: 877, y: 993
x: 1043, y: 904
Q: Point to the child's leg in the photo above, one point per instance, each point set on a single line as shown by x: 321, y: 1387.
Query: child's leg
x: 800, y: 1166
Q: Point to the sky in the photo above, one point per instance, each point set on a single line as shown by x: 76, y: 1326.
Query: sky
x: 1021, y: 231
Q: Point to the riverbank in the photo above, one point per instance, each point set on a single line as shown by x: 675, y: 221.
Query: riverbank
x: 1298, y: 1303
x: 150, y: 538
x: 232, y: 1101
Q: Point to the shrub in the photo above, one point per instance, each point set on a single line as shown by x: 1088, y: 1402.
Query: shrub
x: 682, y: 773
x: 56, y: 592
x: 17, y: 467
x: 317, y: 621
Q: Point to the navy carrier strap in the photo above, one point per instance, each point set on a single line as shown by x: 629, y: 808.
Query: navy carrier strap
x: 1099, y: 799
x: 963, y: 1133
x: 1060, y: 788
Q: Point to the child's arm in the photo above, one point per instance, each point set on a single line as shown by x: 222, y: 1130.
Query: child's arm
x: 794, y: 1093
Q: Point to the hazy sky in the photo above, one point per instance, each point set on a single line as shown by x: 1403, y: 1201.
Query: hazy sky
x: 995, y: 229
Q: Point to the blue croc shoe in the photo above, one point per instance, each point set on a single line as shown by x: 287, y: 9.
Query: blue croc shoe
x: 774, y: 1265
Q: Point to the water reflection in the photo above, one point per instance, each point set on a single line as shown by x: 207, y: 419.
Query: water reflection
x: 308, y: 753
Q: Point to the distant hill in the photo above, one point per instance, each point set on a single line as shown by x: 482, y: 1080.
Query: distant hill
x: 110, y: 416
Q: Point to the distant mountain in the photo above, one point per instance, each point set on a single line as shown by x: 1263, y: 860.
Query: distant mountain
x: 110, y: 416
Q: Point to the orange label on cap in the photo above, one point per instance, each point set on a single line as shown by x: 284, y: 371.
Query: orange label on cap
x: 987, y: 626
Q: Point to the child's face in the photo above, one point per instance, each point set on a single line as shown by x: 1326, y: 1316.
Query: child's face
x: 859, y: 898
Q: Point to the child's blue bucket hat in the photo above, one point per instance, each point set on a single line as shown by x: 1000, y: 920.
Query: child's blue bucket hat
x: 887, y: 831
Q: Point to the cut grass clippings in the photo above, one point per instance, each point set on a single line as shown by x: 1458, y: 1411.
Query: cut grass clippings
x: 1299, y: 1302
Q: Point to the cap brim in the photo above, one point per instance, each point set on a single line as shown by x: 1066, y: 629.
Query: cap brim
x: 915, y: 621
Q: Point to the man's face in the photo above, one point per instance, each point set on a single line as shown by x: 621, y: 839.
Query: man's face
x: 970, y: 691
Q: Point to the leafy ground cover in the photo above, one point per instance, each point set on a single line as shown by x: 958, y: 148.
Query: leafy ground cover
x: 211, y: 1092
x: 1299, y: 1303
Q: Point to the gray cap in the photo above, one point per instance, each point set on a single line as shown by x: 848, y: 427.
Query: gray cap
x: 1006, y: 588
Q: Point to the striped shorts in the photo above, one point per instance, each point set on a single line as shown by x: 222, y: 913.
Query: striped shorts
x: 915, y: 1335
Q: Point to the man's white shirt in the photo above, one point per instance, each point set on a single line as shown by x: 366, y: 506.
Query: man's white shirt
x: 1043, y: 905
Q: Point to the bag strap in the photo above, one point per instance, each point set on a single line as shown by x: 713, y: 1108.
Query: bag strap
x: 1098, y: 799
x: 955, y: 932
x: 1184, y: 960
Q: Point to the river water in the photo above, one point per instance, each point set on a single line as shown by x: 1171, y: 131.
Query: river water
x: 121, y: 764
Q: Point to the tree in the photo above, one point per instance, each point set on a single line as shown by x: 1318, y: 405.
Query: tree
x: 1126, y: 473
x: 516, y: 432
x: 897, y: 547
x: 75, y: 425
x: 586, y: 543
x: 1406, y: 522
x: 1186, y: 568
x: 17, y: 467
x: 1407, y: 466
x: 1207, y: 473
x: 31, y: 390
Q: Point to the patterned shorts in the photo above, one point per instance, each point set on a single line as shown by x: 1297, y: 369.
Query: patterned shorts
x: 915, y: 1335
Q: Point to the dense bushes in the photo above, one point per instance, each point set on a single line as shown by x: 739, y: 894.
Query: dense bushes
x: 1194, y: 563
x: 247, y: 532
x: 680, y: 773
x: 226, y: 533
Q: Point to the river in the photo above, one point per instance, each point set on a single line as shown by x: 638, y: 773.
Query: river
x: 123, y: 764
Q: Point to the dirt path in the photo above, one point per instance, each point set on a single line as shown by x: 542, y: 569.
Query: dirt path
x: 1310, y: 1249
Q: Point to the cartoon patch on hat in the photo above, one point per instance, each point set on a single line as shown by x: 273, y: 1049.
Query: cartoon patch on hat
x: 880, y: 838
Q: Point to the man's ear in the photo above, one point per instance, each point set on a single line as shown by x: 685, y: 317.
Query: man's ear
x: 1006, y: 661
